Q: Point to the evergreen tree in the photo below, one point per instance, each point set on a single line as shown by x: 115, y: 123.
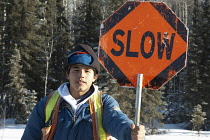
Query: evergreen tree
x: 20, y: 33
x: 124, y: 96
x: 198, y: 118
x: 152, y: 108
x: 18, y: 94
x: 205, y: 62
x: 176, y: 87
x: 175, y: 111
x: 25, y: 106
x: 2, y: 56
x: 40, y: 46
x: 18, y: 39
x: 51, y: 39
x: 87, y: 23
x: 7, y: 47
x: 61, y: 42
x: 194, y: 95
x: 109, y: 7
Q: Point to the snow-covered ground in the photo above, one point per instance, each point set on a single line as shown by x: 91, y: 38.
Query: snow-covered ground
x: 10, y: 131
x: 174, y: 132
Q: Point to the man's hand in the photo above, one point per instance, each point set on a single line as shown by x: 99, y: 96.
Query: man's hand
x: 137, y: 132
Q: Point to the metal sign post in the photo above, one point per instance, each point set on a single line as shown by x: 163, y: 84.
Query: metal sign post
x: 138, y: 99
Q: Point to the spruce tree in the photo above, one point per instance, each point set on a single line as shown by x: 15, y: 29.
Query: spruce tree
x: 40, y: 47
x: 124, y: 96
x: 193, y: 94
x: 152, y: 108
x: 19, y: 99
x: 87, y: 23
x: 205, y: 62
x: 21, y: 32
x: 197, y: 91
x: 198, y: 118
x: 2, y: 26
x: 175, y: 89
x: 109, y: 7
x: 175, y: 111
x: 12, y: 38
x: 61, y: 42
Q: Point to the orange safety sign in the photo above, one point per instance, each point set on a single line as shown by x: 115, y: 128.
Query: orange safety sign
x: 143, y: 38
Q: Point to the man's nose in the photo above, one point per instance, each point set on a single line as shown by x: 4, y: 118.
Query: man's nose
x: 81, y: 73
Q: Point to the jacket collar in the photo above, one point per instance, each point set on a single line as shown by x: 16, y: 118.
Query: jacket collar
x: 75, y: 104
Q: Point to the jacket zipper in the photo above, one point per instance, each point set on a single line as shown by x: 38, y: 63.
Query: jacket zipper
x: 72, y: 112
x: 74, y: 118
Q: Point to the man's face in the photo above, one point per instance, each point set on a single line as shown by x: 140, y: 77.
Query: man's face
x: 81, y: 78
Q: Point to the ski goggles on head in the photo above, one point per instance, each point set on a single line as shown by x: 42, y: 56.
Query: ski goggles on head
x: 79, y: 57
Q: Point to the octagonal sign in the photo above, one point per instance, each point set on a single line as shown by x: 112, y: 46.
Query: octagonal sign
x: 143, y: 38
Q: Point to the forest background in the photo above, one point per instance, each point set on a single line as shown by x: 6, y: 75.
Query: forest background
x: 35, y: 37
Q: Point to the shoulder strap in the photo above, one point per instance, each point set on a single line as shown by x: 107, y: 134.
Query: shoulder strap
x: 50, y: 105
x: 51, y: 115
x: 96, y: 111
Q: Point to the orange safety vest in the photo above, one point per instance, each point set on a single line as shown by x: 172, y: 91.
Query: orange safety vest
x: 96, y: 111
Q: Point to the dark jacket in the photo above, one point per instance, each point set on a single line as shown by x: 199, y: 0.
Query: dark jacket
x: 79, y: 126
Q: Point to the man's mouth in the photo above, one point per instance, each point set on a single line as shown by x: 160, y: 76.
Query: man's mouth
x: 81, y: 82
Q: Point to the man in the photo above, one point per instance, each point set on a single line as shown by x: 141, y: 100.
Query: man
x: 74, y: 118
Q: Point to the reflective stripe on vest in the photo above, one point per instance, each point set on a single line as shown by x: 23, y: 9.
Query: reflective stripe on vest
x: 96, y: 111
x: 50, y: 105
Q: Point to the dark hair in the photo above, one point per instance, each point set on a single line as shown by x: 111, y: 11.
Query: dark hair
x: 67, y: 69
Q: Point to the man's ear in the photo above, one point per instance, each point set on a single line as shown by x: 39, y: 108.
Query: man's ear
x: 67, y: 75
x: 95, y: 77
